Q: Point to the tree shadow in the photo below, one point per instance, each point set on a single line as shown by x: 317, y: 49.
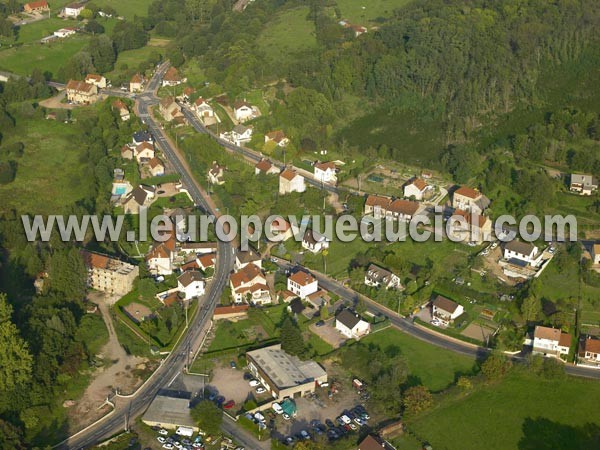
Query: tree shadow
x: 544, y: 434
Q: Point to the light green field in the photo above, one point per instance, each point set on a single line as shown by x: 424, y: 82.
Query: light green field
x: 133, y: 58
x: 288, y: 33
x: 50, y: 175
x: 361, y: 12
x: 46, y: 57
x: 521, y: 412
x: 35, y: 31
x: 432, y: 366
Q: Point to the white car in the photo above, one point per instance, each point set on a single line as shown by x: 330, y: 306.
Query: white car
x: 161, y: 439
x: 260, y: 390
x: 163, y: 432
x: 258, y: 416
x: 345, y: 419
x: 168, y: 446
x: 277, y: 408
x: 494, y: 245
x: 254, y: 383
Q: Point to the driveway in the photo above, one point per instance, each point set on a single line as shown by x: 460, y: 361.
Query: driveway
x: 328, y: 333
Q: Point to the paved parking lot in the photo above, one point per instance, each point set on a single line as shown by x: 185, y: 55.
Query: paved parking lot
x: 230, y: 384
x: 328, y: 333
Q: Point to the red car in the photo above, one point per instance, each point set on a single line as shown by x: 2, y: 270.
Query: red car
x: 230, y: 404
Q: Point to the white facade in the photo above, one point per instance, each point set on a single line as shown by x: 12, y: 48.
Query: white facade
x: 325, y: 173
x: 242, y: 113
x: 73, y: 10
x: 362, y: 328
x: 193, y: 289
x: 528, y: 255
x: 302, y: 285
x: 291, y: 181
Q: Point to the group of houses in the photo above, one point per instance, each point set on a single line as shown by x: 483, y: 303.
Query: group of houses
x: 142, y: 149
x: 583, y: 184
x: 86, y: 92
x: 248, y: 282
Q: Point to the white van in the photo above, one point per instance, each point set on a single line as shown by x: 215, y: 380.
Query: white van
x: 277, y: 408
x: 185, y: 431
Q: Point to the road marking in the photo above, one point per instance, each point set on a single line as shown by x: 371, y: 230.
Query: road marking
x: 173, y: 380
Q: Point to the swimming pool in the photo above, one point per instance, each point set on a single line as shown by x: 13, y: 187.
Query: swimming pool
x: 120, y: 190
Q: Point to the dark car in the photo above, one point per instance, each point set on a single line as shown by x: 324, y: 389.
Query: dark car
x: 330, y: 423
x: 332, y: 435
x: 320, y: 323
x: 220, y: 400
x: 248, y: 376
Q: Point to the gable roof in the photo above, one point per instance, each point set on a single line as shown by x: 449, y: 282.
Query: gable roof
x: 137, y: 78
x: 419, y: 183
x: 405, y: 207
x: 36, y: 5
x: 376, y: 273
x: 312, y: 237
x: 551, y: 334
x: 93, y: 77
x: 325, y: 165
x: 347, y: 318
x: 374, y: 443
x: 468, y: 192
x: 145, y: 145
x: 119, y: 104
x: 247, y: 256
x: 377, y: 200
x: 276, y: 136
x: 302, y: 278
x: 264, y: 165
x: 289, y: 174
x: 138, y: 194
x: 142, y: 136
x: 523, y: 248
x: 445, y: 304
x: 199, y: 101
x: 245, y: 275
x: 155, y: 162
x: 207, y: 260
x: 172, y: 74
x: 81, y: 86
x: 189, y: 276
x: 241, y: 103
x: 241, y: 129
x: 159, y: 251
x: 591, y: 344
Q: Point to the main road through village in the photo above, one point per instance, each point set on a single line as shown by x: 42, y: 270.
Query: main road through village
x: 127, y: 409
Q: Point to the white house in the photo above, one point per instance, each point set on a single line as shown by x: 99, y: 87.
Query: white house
x: 243, y: 111
x: 595, y: 254
x: 522, y: 251
x: 202, y: 108
x: 445, y: 310
x: 314, y: 242
x: 73, y: 10
x: 278, y: 137
x: 376, y: 276
x: 97, y: 80
x: 291, y: 181
x: 249, y: 284
x: 325, y: 172
x: 351, y: 325
x: 469, y: 199
x: 160, y: 260
x: 417, y: 188
x: 65, y: 32
x: 216, y: 174
x: 241, y: 134
x: 550, y: 341
x: 172, y: 78
x: 280, y: 229
x: 589, y: 350
x: 302, y: 284
x: 156, y: 167
x: 191, y: 283
x: 584, y: 184
x: 144, y: 152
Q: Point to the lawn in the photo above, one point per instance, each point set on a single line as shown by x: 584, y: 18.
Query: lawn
x: 361, y: 12
x: 50, y: 175
x: 431, y: 366
x: 130, y: 59
x: 288, y: 33
x: 521, y: 412
x: 46, y: 57
x: 127, y: 9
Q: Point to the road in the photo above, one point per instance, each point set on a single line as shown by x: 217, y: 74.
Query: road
x: 128, y: 409
x: 407, y: 326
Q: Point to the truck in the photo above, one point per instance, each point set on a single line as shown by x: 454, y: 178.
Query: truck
x: 185, y: 431
x: 358, y: 385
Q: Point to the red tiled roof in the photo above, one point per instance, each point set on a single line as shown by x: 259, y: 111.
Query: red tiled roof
x: 80, y: 86
x: 264, y: 165
x: 245, y: 275
x: 289, y: 174
x: 155, y: 162
x: 468, y: 192
x: 276, y: 136
x: 37, y: 5
x: 172, y: 75
x: 376, y: 200
x: 403, y: 207
x: 325, y: 165
x: 302, y: 278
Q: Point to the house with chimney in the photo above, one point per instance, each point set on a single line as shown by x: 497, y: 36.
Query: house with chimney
x: 250, y: 285
x: 351, y: 325
x: 265, y: 166
x: 417, y: 189
x: 280, y: 229
x: 314, y: 241
x: 36, y: 7
x: 469, y: 199
x: 524, y: 252
x: 376, y: 276
x: 583, y: 184
x: 142, y: 136
x: 551, y: 341
x: 73, y: 10
x: 291, y: 181
x: 245, y: 257
x: 471, y: 226
x: 81, y: 92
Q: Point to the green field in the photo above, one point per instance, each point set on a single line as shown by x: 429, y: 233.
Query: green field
x: 290, y: 32
x: 130, y: 60
x: 51, y: 175
x: 432, y: 366
x: 361, y: 12
x: 521, y: 412
x: 127, y: 9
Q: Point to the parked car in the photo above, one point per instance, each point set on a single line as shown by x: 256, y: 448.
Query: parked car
x: 305, y: 435
x: 353, y: 427
x: 161, y: 439
x: 254, y: 383
x: 260, y: 390
x: 247, y: 376
x: 320, y: 323
x: 277, y: 408
x: 258, y: 416
x: 329, y: 423
x: 358, y: 421
x: 163, y: 432
x: 228, y: 405
x: 168, y: 446
x: 233, y: 365
x: 286, y: 416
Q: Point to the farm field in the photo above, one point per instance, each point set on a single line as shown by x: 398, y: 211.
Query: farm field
x: 431, y: 366
x: 290, y: 32
x: 51, y: 174
x: 127, y: 9
x: 522, y: 411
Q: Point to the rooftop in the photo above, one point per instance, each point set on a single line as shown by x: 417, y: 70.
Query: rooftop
x: 283, y: 369
x: 170, y: 411
x: 445, y: 304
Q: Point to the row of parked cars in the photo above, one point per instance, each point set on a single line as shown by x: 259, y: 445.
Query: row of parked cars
x: 179, y: 440
x: 349, y: 421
